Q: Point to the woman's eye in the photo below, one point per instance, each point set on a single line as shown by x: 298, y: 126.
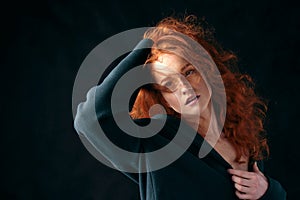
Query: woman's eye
x: 167, y: 84
x: 189, y: 72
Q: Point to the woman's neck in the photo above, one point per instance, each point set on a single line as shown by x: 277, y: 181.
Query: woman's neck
x: 202, y: 124
x: 207, y: 126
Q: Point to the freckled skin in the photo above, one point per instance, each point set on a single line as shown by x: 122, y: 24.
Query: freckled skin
x: 168, y: 65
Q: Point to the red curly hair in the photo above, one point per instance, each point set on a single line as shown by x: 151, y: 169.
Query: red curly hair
x: 245, y: 112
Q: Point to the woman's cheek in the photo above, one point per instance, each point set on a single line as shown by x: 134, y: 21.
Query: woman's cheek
x: 173, y: 102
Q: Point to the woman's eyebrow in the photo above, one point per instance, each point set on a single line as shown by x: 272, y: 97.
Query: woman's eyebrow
x: 165, y: 79
x: 181, y: 71
x: 184, y: 67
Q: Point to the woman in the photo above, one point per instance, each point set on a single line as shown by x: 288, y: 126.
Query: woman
x: 186, y: 66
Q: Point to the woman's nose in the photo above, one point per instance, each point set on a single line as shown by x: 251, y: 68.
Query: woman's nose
x: 184, y: 86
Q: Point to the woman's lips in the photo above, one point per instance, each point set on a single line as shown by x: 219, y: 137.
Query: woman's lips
x: 192, y: 100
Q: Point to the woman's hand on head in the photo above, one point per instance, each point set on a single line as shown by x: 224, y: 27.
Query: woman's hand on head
x: 249, y: 185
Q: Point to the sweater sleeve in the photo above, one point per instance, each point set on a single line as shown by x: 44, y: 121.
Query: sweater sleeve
x: 275, y: 191
x: 104, y: 92
x: 94, y: 118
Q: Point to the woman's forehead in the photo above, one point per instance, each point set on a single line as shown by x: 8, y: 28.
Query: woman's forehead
x: 169, y: 59
x: 169, y: 63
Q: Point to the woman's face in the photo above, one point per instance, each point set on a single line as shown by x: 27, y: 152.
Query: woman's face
x: 186, y: 88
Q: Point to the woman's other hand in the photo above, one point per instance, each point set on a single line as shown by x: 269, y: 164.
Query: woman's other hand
x: 249, y: 185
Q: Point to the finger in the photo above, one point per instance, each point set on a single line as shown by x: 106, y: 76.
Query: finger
x: 243, y: 195
x: 240, y: 173
x: 242, y: 181
x: 255, y: 167
x: 243, y: 189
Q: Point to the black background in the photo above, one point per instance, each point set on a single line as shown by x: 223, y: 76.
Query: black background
x: 43, y: 44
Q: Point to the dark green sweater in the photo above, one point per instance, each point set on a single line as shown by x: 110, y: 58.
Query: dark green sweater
x: 188, y: 177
